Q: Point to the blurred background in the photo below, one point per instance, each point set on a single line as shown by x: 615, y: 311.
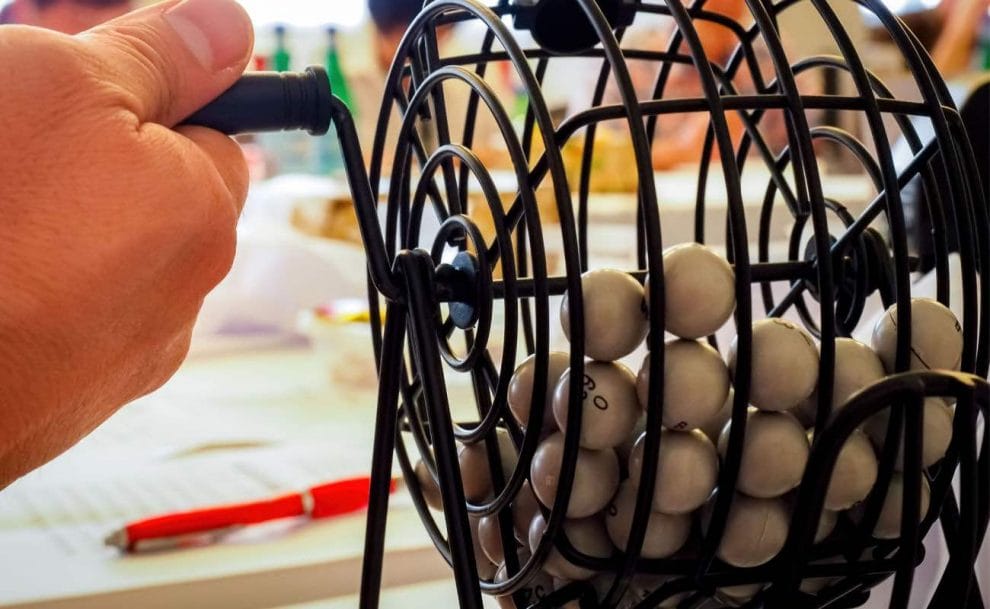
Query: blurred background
x: 281, y: 356
x: 356, y: 44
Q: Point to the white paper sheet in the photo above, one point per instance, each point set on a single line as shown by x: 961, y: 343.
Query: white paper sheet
x: 75, y: 516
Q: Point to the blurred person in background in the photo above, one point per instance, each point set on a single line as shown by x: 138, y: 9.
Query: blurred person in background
x: 680, y: 138
x: 950, y: 31
x: 66, y: 16
x: 389, y: 21
x: 366, y: 71
x: 678, y: 141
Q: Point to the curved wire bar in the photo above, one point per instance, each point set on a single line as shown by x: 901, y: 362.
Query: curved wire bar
x: 838, y: 270
x: 535, y: 234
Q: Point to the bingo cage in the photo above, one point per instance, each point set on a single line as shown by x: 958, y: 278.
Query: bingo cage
x: 570, y: 517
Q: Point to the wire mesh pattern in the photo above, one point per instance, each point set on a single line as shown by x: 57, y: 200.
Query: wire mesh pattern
x: 472, y: 301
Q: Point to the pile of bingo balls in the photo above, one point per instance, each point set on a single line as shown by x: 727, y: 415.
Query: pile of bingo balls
x: 699, y: 292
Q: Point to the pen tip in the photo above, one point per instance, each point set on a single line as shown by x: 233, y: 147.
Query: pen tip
x: 117, y: 539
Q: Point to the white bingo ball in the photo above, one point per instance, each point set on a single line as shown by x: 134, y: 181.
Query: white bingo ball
x: 856, y: 367
x: 889, y: 523
x: 714, y: 426
x: 609, y: 408
x: 587, y: 535
x: 475, y: 473
x: 755, y: 531
x: 936, y: 436
x: 486, y: 568
x: 854, y: 474
x: 775, y: 453
x: 524, y: 508
x: 539, y: 587
x: 521, y: 389
x: 615, y: 320
x: 625, y: 449
x: 490, y: 538
x: 428, y: 486
x: 936, y: 337
x: 695, y: 383
x: 784, y: 365
x: 699, y: 291
x: 687, y: 470
x: 596, y: 477
x: 665, y: 534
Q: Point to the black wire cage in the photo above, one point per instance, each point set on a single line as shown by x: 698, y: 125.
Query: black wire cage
x: 475, y: 301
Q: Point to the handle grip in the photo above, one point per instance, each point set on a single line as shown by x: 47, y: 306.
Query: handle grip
x: 271, y: 101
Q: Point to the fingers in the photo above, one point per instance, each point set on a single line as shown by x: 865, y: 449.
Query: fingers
x: 226, y: 156
x: 209, y: 205
x: 174, y: 57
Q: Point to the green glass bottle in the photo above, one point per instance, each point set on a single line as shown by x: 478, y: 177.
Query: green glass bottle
x: 984, y: 43
x: 338, y: 82
x: 281, y: 58
x: 293, y: 151
x: 329, y: 158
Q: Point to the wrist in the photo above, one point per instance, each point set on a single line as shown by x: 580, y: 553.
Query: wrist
x: 39, y: 400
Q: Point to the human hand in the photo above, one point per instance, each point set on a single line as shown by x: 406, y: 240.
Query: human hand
x: 114, y: 223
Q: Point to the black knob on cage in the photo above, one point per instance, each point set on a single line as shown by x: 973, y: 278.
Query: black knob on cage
x: 561, y: 26
x: 459, y: 282
x: 271, y: 101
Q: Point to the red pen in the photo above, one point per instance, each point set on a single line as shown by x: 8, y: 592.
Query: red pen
x: 198, y: 526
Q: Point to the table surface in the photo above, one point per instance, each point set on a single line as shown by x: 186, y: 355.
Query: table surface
x: 225, y: 428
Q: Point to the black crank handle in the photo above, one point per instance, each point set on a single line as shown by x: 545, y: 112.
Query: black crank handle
x: 271, y: 101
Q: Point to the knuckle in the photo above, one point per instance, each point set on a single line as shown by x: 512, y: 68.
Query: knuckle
x: 226, y: 156
x: 221, y: 258
x: 218, y: 238
x: 46, y: 66
x: 140, y: 45
x: 196, y: 213
x: 238, y: 175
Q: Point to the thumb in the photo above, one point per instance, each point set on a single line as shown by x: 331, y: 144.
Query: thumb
x: 172, y: 58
